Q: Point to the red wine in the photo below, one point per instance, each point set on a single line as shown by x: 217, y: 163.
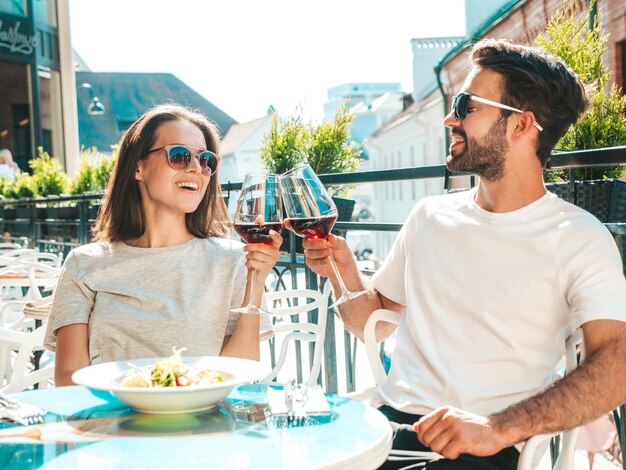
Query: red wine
x: 255, y: 233
x: 313, y: 227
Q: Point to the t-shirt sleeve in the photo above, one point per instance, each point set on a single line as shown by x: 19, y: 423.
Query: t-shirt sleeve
x: 73, y: 301
x: 594, y: 280
x: 239, y: 291
x: 389, y: 280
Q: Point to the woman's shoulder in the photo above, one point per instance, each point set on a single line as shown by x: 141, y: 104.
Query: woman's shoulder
x: 223, y: 248
x: 92, y: 250
x: 222, y: 244
x: 84, y: 258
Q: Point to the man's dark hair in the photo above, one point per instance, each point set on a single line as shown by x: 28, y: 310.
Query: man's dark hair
x: 538, y: 82
x: 121, y: 215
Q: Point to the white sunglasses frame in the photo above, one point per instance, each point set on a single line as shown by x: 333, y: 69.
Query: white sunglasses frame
x: 499, y: 105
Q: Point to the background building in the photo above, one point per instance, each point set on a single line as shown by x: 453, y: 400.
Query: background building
x: 125, y: 97
x: 240, y: 149
x: 37, y: 105
x: 521, y: 21
x: 412, y: 137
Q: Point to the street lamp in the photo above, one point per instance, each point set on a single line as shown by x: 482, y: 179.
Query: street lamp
x: 95, y: 108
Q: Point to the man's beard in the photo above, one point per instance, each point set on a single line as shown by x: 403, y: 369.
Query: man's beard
x: 484, y: 159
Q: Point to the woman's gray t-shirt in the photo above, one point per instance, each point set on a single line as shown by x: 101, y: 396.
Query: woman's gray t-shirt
x: 141, y: 302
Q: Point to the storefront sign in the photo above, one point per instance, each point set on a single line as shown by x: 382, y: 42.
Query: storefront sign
x: 16, y: 38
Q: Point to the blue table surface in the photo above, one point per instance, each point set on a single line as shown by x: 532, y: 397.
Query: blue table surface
x: 85, y: 428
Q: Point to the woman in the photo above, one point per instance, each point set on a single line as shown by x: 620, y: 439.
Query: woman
x: 163, y: 272
x: 8, y: 168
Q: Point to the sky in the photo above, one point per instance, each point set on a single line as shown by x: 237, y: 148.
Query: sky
x: 244, y: 55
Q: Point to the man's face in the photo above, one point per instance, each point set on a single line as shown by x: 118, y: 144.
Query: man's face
x: 479, y: 142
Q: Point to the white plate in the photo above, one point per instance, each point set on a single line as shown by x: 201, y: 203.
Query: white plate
x: 171, y: 400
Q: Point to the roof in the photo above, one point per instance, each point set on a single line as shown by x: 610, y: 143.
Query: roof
x: 126, y: 96
x: 500, y: 14
x: 239, y: 133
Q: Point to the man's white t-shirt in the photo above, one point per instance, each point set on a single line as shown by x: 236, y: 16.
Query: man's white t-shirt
x: 491, y: 297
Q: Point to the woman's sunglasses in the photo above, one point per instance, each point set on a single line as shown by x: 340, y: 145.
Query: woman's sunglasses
x: 461, y: 104
x: 179, y: 157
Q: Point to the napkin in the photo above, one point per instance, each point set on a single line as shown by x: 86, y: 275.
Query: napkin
x: 316, y: 404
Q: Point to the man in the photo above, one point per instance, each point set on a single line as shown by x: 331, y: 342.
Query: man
x: 491, y: 281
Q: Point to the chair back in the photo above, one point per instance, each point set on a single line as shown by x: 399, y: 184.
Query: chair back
x: 8, y: 246
x: 289, y: 307
x: 23, y: 374
x: 38, y: 272
x: 369, y: 338
x: 528, y: 456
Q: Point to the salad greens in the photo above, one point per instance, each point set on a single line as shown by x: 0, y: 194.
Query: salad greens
x: 171, y: 372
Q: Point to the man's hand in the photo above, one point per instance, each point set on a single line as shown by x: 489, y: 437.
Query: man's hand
x: 317, y: 253
x: 452, y: 432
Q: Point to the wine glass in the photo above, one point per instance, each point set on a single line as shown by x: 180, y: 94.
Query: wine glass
x: 258, y: 211
x: 311, y: 213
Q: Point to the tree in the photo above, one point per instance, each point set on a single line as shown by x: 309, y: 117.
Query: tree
x: 581, y: 47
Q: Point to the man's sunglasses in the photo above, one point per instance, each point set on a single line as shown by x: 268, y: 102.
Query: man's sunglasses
x: 461, y: 104
x: 179, y: 157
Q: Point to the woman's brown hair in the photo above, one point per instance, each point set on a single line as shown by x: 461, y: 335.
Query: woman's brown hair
x: 121, y: 216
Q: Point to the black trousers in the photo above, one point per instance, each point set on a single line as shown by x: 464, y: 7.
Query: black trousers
x: 506, y: 459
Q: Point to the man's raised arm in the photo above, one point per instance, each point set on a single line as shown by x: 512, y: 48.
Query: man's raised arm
x: 355, y: 312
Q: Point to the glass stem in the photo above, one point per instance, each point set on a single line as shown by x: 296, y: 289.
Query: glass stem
x: 344, y: 289
x: 251, y: 303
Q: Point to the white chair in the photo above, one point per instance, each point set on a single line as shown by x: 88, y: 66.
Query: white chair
x: 37, y: 272
x: 528, y: 456
x: 23, y: 374
x: 8, y: 246
x: 285, y: 304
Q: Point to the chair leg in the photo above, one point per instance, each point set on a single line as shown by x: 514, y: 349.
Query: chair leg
x: 619, y: 414
x: 555, y: 444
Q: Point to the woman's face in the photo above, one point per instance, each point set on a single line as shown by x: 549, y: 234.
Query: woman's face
x: 164, y: 188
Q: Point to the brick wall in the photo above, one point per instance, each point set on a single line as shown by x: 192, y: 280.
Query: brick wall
x: 524, y: 24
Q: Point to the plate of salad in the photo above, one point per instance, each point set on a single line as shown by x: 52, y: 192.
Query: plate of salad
x: 171, y: 385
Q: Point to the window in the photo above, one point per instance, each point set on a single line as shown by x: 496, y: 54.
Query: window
x: 13, y: 7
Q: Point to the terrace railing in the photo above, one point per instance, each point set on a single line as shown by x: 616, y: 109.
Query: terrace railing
x: 58, y: 224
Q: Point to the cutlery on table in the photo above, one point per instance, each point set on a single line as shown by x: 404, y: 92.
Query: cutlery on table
x: 20, y: 412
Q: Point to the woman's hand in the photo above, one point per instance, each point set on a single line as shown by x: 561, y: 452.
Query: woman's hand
x: 261, y: 257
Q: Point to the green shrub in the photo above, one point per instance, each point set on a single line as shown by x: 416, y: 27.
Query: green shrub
x: 326, y: 147
x: 284, y: 147
x: 331, y: 150
x: 102, y: 171
x: 5, y: 185
x: 569, y: 37
x: 48, y: 175
x: 94, y: 172
x: 85, y: 179
x: 24, y: 185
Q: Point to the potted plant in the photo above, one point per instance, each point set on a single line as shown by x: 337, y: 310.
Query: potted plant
x: 581, y: 44
x: 325, y: 146
x: 93, y: 177
x: 50, y: 180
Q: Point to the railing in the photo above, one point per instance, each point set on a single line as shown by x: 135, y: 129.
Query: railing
x: 61, y: 223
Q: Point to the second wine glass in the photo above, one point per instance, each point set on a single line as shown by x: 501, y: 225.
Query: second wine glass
x: 258, y: 211
x: 312, y: 213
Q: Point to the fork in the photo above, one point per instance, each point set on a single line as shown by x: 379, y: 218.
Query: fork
x: 19, y: 412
